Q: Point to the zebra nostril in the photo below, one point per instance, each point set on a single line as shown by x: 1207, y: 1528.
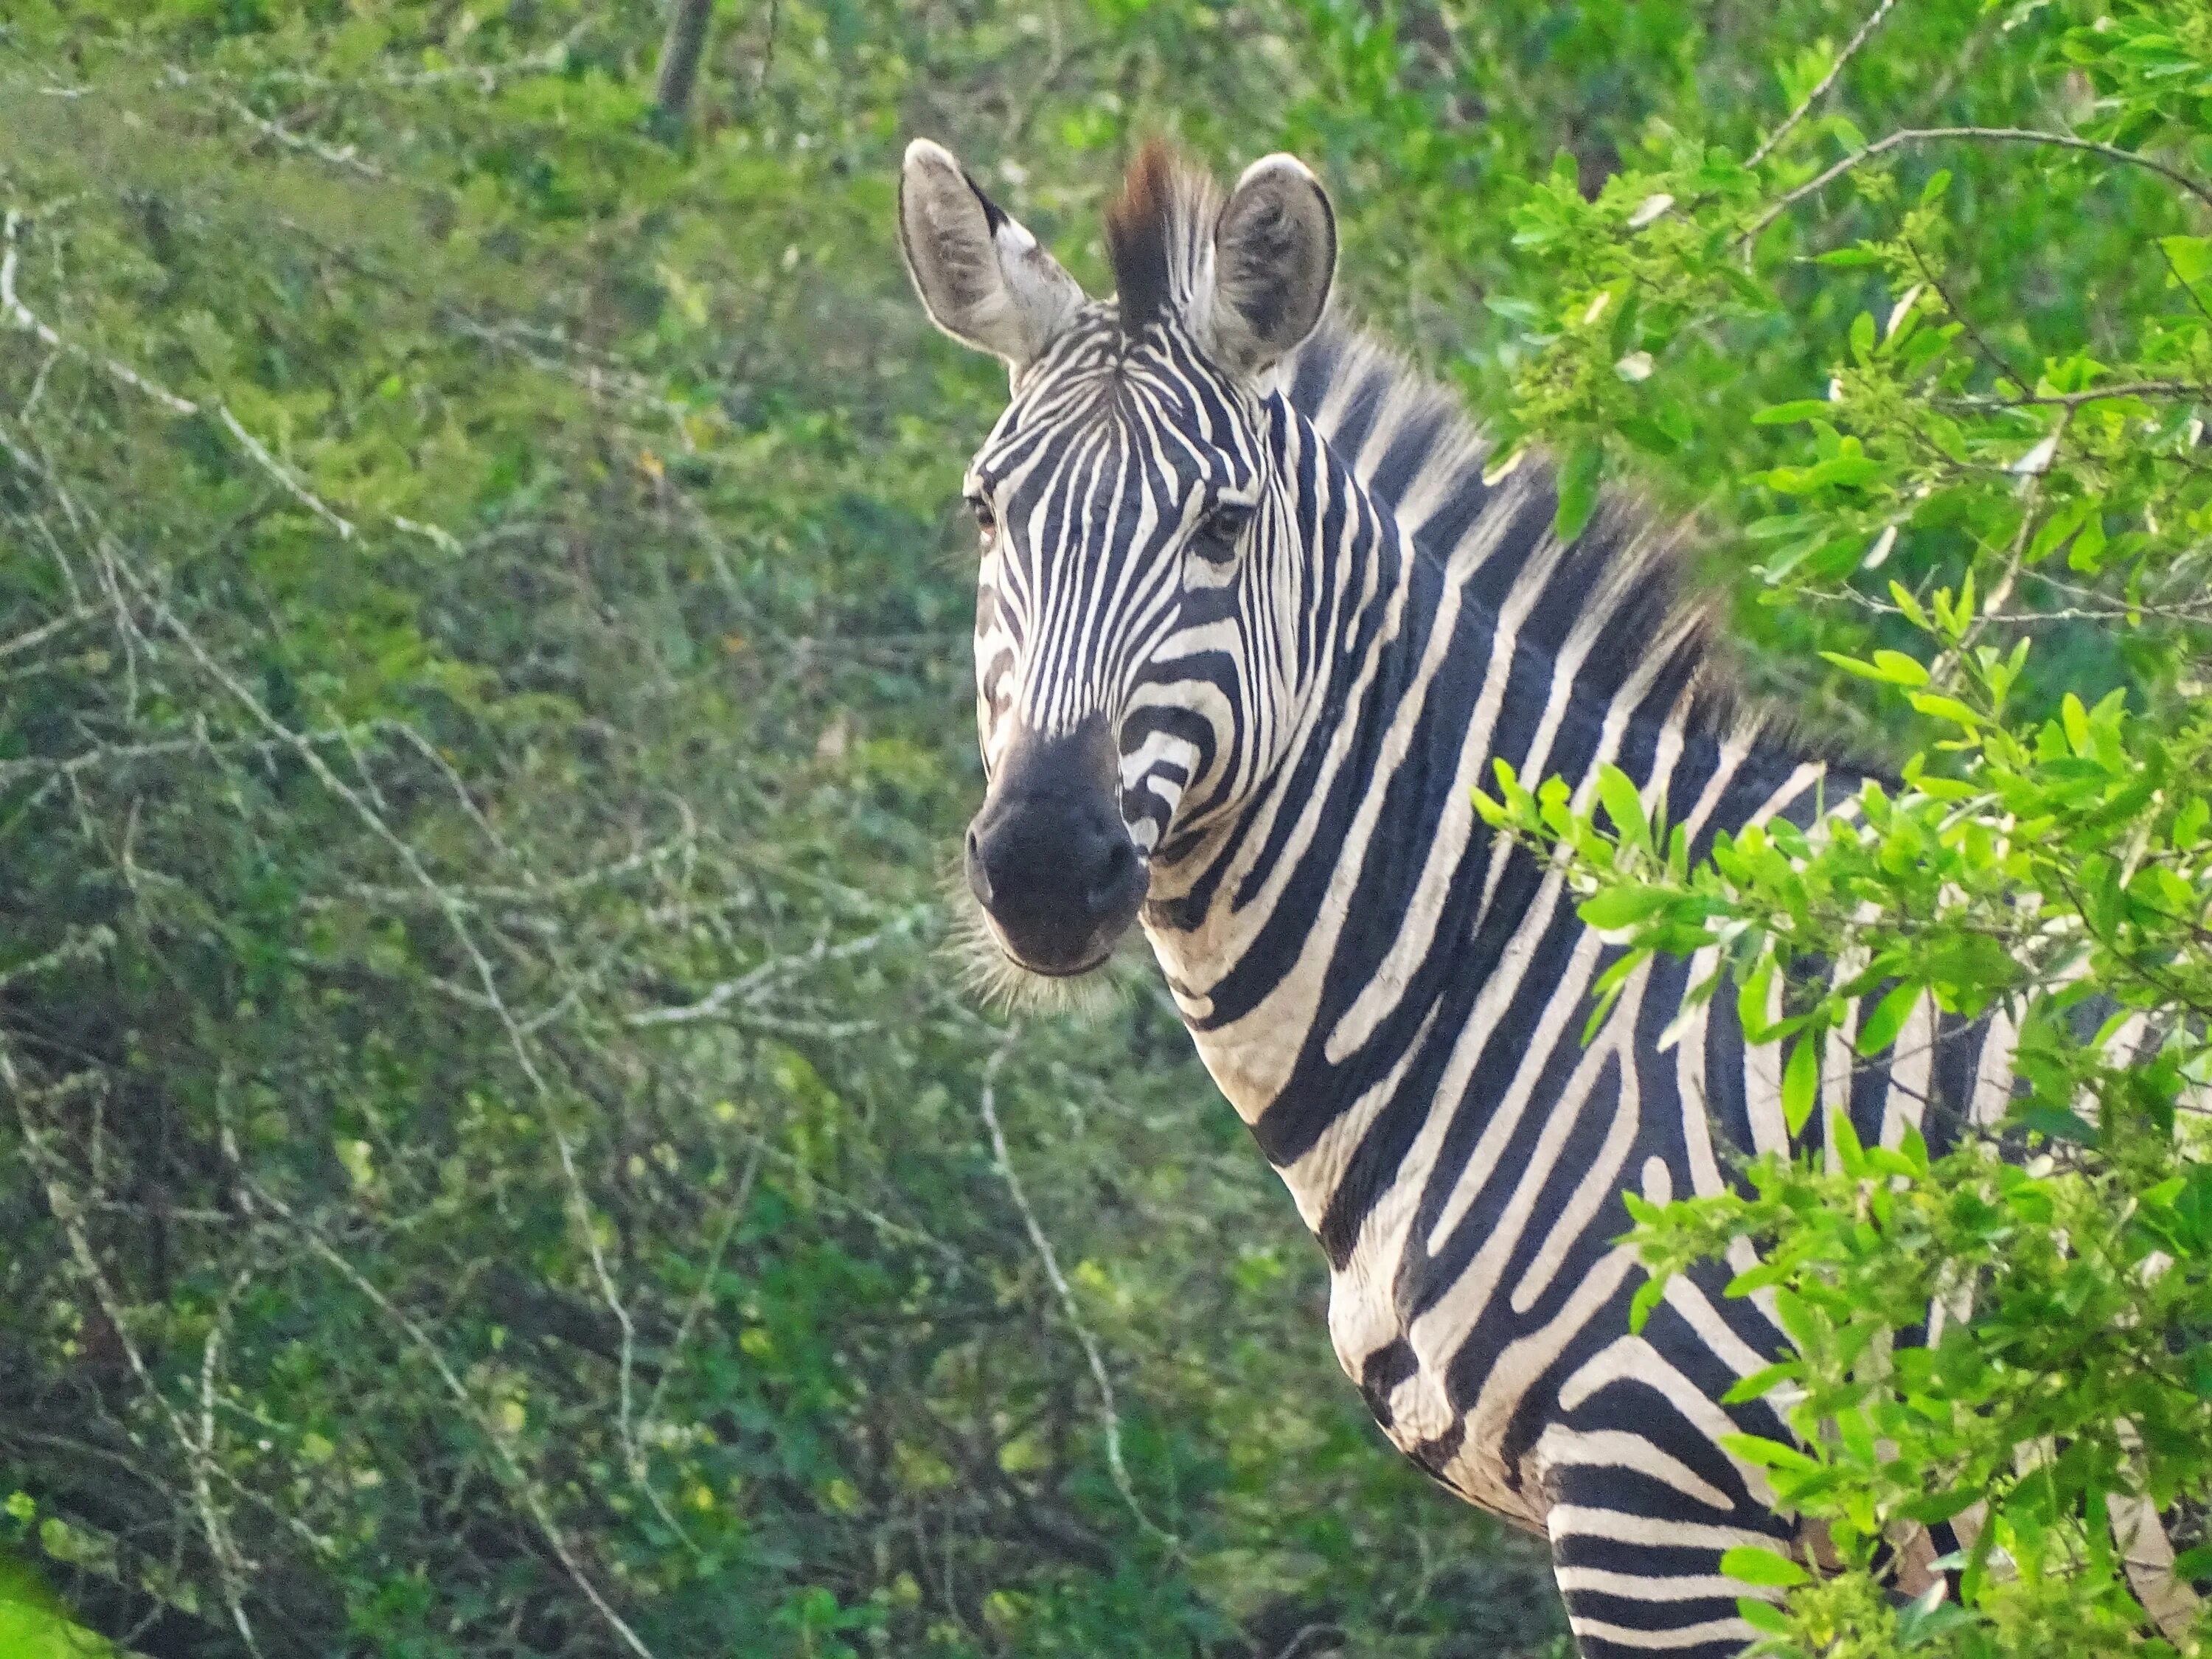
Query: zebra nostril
x: 1108, y: 887
x: 978, y: 879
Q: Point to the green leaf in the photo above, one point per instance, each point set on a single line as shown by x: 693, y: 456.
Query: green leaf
x: 1647, y: 434
x: 2087, y: 552
x: 1767, y: 1454
x: 1800, y: 1082
x: 1762, y: 1382
x: 1649, y: 1295
x: 2059, y: 1124
x: 1753, y: 997
x: 1624, y: 804
x: 1579, y: 482
x: 1888, y: 668
x: 2075, y: 719
x: 2190, y: 255
x: 1764, y: 1616
x: 1880, y: 1029
x: 1932, y: 1507
x: 1938, y: 707
x: 1914, y: 1149
x: 1803, y: 408
x: 1899, y: 668
x: 1851, y: 1155
x: 1928, y: 1617
x: 1622, y: 907
x: 2193, y: 1564
x: 1752, y: 1564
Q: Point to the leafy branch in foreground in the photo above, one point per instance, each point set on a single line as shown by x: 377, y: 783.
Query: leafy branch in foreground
x: 2058, y: 877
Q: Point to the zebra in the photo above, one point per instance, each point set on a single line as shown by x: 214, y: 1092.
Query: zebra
x: 1257, y: 610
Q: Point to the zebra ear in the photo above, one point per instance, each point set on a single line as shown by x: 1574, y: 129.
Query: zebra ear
x: 983, y: 279
x: 1275, y: 257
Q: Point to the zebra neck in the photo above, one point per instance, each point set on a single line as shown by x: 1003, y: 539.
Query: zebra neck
x: 1335, y: 948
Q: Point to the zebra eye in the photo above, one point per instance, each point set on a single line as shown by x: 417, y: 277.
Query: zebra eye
x: 1222, y: 528
x: 986, y: 522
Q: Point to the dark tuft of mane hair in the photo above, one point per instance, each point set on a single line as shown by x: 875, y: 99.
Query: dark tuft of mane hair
x: 1139, y: 223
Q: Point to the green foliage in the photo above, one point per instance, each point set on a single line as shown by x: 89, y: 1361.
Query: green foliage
x: 492, y: 1152
x: 32, y: 1622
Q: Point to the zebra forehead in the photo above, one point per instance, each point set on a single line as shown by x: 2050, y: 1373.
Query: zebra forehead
x: 1150, y: 407
x: 1081, y: 480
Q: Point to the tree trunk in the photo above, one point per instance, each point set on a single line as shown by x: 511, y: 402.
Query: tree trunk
x: 680, y: 52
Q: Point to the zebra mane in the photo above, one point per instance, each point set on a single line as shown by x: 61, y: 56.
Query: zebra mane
x: 1158, y: 231
x: 1617, y: 590
x: 1411, y: 444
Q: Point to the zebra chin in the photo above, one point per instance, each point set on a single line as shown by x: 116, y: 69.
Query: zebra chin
x: 994, y: 978
x: 1065, y: 941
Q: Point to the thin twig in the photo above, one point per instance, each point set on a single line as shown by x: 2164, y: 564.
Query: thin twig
x: 1992, y: 604
x: 532, y: 1500
x: 1988, y: 348
x: 283, y: 474
x: 2075, y: 399
x: 635, y: 1436
x: 104, y: 755
x: 702, y: 1294
x: 21, y: 317
x: 2202, y: 191
x: 1108, y: 1412
x: 1851, y: 51
x: 748, y: 988
x: 487, y: 980
x: 25, y: 319
x: 45, y: 630
x: 61, y: 1203
x: 346, y: 159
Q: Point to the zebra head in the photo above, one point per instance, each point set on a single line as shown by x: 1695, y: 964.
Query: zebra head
x: 1135, y: 642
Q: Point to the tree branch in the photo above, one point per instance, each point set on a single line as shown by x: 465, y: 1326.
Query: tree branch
x: 1866, y: 30
x: 1110, y: 1414
x: 2202, y: 191
x: 680, y: 53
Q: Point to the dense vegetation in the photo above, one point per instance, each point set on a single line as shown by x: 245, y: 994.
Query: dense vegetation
x: 496, y: 1157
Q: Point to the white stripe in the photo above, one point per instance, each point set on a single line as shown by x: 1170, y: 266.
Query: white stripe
x: 1617, y: 1449
x: 1689, y: 1636
x: 1636, y: 1587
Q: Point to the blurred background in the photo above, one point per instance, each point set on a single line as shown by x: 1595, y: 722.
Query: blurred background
x: 496, y: 1156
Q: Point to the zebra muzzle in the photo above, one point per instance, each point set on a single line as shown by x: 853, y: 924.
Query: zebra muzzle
x: 1049, y: 857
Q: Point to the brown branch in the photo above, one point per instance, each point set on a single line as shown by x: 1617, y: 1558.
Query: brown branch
x: 2075, y: 399
x: 1987, y: 347
x: 2200, y: 191
x: 1850, y: 51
